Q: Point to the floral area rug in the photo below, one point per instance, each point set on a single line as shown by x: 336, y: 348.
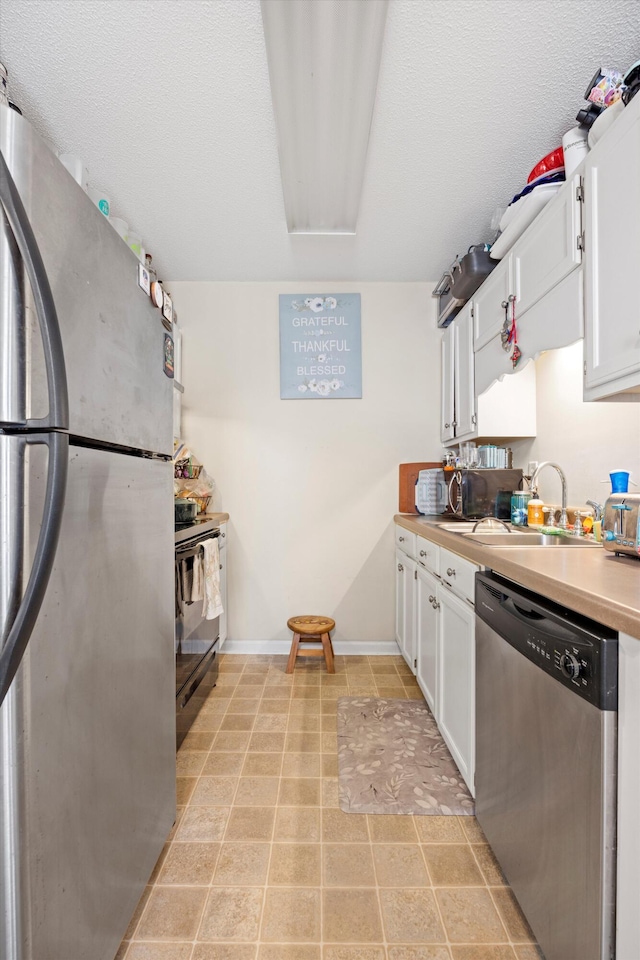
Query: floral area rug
x: 392, y: 759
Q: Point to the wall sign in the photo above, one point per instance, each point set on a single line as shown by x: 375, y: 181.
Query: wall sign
x: 320, y: 347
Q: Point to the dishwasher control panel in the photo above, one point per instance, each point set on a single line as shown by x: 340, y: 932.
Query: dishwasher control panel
x: 579, y: 653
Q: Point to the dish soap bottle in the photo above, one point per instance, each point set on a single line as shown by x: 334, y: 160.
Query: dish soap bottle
x: 535, y: 515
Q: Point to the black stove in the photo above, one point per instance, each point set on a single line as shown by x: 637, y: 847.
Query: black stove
x: 196, y: 639
x: 196, y: 527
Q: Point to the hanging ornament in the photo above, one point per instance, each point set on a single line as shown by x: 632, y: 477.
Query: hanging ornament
x: 506, y: 328
x: 513, y: 335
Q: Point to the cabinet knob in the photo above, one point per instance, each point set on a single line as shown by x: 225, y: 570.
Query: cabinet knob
x: 401, y: 539
x: 400, y: 567
x: 435, y: 605
x: 423, y: 553
x: 431, y: 599
x: 451, y: 572
x: 223, y: 534
x: 447, y: 425
x: 221, y: 566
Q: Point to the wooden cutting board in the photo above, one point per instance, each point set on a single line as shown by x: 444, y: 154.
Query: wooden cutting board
x: 408, y: 474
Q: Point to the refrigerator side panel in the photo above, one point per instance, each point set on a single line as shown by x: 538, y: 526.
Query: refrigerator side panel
x: 98, y: 706
x: 13, y: 899
x: 113, y: 338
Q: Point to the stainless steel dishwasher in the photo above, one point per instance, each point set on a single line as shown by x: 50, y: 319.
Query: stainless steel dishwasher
x: 546, y: 720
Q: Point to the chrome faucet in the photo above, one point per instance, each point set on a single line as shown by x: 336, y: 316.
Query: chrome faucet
x: 597, y: 508
x: 563, y: 522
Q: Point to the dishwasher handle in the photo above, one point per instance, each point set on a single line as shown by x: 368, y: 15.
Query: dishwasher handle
x: 527, y: 614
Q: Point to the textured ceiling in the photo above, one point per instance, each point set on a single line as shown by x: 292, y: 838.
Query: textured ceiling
x: 168, y: 103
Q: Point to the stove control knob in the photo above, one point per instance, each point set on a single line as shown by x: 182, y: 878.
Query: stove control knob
x: 570, y: 666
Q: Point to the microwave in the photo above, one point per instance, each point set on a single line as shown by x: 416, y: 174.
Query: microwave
x: 474, y: 494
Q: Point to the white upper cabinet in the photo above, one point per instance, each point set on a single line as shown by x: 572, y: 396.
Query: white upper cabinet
x: 541, y: 277
x: 465, y: 389
x: 506, y: 411
x: 488, y: 309
x: 612, y: 253
x: 447, y: 412
x: 550, y: 249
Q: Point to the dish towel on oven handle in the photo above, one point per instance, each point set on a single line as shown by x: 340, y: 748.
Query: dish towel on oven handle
x: 212, y: 606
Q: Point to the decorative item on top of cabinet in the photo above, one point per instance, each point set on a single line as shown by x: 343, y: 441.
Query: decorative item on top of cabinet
x: 506, y: 410
x: 612, y: 255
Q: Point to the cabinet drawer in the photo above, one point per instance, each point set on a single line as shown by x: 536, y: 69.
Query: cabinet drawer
x: 406, y: 541
x: 458, y: 573
x: 428, y: 555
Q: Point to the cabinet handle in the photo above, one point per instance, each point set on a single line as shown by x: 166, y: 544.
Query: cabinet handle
x: 451, y: 572
x: 401, y: 539
x: 400, y: 567
x: 435, y: 605
x: 447, y: 425
x: 431, y: 599
x: 221, y: 566
x: 423, y: 553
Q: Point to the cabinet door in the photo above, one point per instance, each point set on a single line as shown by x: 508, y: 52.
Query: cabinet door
x: 550, y: 249
x: 465, y: 392
x: 612, y: 256
x: 456, y: 680
x: 447, y: 410
x: 405, y: 607
x: 409, y: 646
x: 401, y: 580
x: 427, y: 636
x: 223, y: 593
x: 488, y: 312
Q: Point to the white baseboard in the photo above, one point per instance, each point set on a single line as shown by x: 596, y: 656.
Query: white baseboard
x: 361, y: 648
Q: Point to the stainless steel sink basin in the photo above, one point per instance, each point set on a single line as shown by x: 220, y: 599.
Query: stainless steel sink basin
x: 461, y: 526
x: 528, y: 540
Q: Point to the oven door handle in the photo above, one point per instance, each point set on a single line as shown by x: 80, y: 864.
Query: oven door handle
x: 183, y: 553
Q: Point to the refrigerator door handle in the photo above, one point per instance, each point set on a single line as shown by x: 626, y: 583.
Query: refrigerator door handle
x: 22, y: 627
x: 58, y: 416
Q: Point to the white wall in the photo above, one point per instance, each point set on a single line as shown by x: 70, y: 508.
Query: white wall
x: 311, y: 485
x: 587, y: 440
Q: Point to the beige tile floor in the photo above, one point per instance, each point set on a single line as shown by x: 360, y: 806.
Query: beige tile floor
x: 263, y: 865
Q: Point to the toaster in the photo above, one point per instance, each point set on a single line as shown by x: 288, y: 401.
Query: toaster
x: 621, y: 524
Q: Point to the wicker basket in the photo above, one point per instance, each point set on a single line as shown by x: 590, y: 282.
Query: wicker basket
x: 203, y: 503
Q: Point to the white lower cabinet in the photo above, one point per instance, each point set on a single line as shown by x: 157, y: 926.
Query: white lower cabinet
x: 456, y: 658
x: 427, y: 635
x: 223, y: 593
x: 435, y: 630
x: 405, y: 607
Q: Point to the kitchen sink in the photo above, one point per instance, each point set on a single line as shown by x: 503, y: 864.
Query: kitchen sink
x: 461, y: 526
x: 501, y: 539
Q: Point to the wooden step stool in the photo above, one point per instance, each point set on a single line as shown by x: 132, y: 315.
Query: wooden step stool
x: 311, y: 629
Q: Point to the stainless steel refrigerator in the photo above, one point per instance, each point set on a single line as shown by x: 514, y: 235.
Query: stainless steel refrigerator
x: 87, y: 723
